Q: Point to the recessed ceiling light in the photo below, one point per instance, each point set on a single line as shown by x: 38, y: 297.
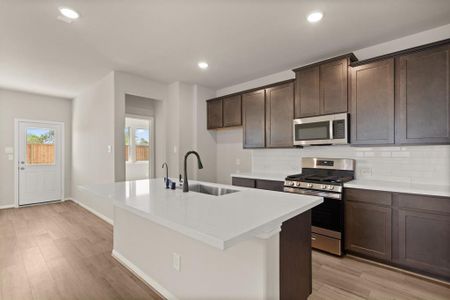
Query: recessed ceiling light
x: 69, y: 13
x: 315, y: 17
x: 203, y: 65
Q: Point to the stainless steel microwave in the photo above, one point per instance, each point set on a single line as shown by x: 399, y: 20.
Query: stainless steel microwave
x: 321, y: 130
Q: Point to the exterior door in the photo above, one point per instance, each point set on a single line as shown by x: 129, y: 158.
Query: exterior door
x: 40, y: 162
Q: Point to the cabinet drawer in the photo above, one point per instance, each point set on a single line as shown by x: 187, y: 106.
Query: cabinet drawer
x: 368, y: 196
x: 325, y: 243
x: 270, y: 185
x: 244, y: 182
x: 439, y: 205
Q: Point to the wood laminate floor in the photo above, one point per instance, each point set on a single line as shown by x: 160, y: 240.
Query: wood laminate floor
x: 61, y: 251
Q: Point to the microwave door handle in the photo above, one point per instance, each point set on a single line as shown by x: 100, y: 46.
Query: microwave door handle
x: 331, y: 130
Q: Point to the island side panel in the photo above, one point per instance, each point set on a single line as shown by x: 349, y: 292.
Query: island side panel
x: 295, y: 258
x: 247, y: 270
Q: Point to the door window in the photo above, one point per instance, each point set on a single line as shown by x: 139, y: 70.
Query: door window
x: 40, y: 146
x: 142, y: 141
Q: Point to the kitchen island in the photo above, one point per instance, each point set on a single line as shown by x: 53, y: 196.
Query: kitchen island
x: 214, y: 242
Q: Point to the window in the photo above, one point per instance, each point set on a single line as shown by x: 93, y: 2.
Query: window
x: 142, y: 142
x: 40, y: 146
x: 127, y: 143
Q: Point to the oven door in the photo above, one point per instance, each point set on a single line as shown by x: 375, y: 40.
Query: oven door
x: 329, y: 215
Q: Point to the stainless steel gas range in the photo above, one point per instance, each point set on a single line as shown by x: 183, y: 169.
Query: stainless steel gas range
x: 324, y: 177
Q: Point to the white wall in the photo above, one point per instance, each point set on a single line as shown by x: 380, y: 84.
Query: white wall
x: 186, y: 125
x: 93, y: 131
x: 125, y: 83
x: 14, y: 104
x: 205, y: 140
x: 229, y: 142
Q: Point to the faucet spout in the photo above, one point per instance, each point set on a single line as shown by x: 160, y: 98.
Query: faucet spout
x: 200, y: 166
x: 167, y: 171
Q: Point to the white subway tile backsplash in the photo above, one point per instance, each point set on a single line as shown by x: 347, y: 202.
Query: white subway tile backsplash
x: 428, y: 164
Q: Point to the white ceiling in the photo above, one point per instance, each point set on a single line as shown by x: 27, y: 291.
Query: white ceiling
x: 163, y: 40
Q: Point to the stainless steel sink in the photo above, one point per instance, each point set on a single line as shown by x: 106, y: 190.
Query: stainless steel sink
x: 210, y: 190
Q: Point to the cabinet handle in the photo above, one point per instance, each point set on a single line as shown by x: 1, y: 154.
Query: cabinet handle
x: 313, y: 238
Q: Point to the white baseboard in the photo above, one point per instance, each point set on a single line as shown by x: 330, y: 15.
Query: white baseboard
x: 7, y: 206
x: 141, y: 275
x: 101, y: 216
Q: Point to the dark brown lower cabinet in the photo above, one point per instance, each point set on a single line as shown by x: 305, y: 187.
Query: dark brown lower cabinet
x: 368, y: 224
x: 410, y: 232
x: 422, y: 233
x: 244, y: 182
x: 368, y: 229
x: 271, y: 185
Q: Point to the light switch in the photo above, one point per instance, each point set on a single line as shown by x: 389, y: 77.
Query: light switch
x: 10, y: 157
x: 9, y: 150
x: 109, y: 148
x: 176, y: 261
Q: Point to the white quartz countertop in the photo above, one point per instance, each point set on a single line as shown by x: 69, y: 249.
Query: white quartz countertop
x: 261, y: 175
x: 220, y: 221
x: 400, y: 187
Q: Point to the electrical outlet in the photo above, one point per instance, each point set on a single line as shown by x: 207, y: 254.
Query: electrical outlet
x: 176, y: 261
x: 366, y: 171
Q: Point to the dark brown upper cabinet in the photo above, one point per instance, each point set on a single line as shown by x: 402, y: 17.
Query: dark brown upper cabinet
x: 232, y: 111
x: 254, y: 121
x: 372, y: 103
x: 214, y: 114
x: 333, y: 86
x: 321, y: 88
x: 307, y: 93
x: 423, y: 96
x: 279, y: 115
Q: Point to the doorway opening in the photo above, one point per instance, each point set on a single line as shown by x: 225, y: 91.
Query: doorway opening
x: 139, y: 147
x: 39, y: 152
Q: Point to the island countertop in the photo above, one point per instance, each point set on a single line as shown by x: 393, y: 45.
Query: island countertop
x: 220, y: 221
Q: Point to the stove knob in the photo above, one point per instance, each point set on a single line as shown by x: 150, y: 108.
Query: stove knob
x: 324, y: 186
x: 309, y: 185
x: 297, y: 184
x: 331, y: 187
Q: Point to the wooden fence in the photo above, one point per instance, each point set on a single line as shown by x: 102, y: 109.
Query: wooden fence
x: 142, y: 153
x: 40, y: 154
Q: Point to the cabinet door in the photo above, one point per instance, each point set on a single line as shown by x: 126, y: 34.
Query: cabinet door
x: 279, y: 115
x: 333, y: 87
x: 372, y: 103
x: 253, y: 113
x: 422, y: 95
x: 232, y: 111
x: 368, y: 229
x: 271, y: 185
x: 422, y: 233
x: 245, y: 182
x: 214, y: 116
x: 307, y: 92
